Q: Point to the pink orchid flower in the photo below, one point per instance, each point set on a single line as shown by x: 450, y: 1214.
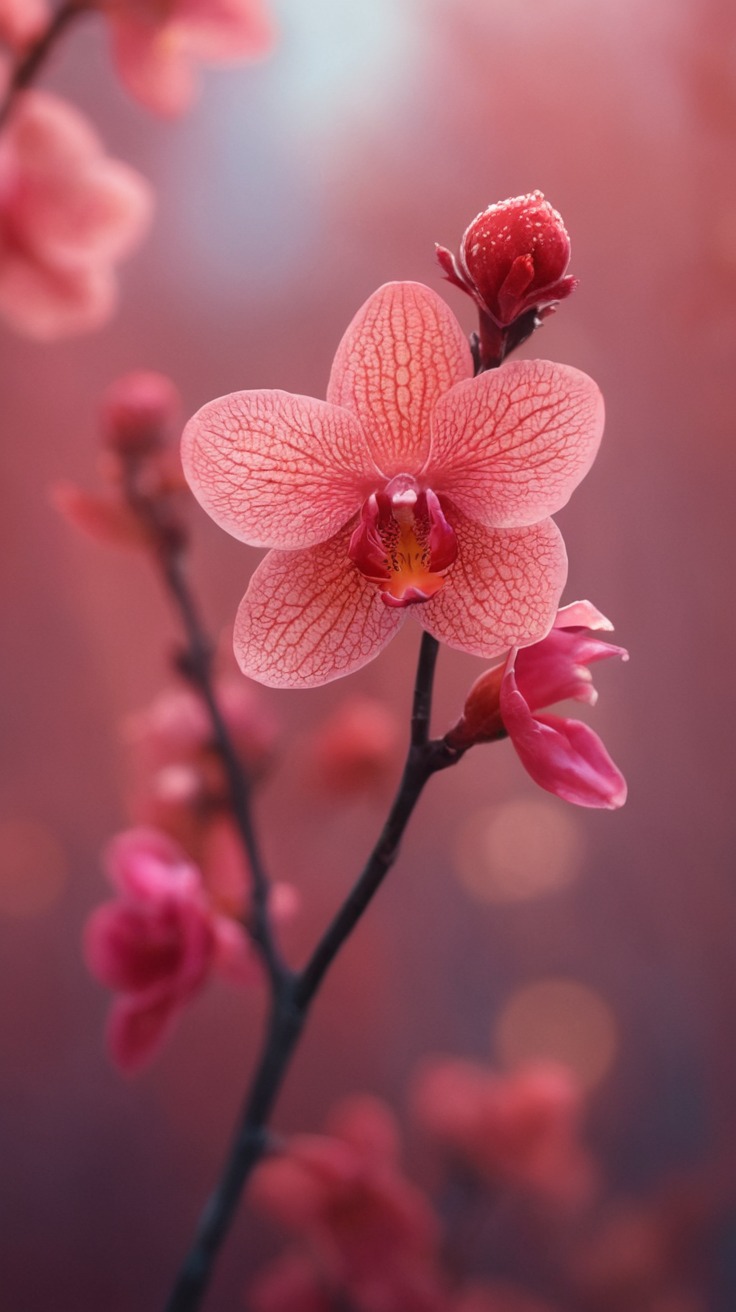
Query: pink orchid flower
x: 563, y: 756
x: 414, y: 486
x: 68, y: 213
x: 157, y: 943
x: 156, y: 45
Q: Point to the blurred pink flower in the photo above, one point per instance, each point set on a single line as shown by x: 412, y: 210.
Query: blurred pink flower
x: 68, y: 213
x: 157, y: 943
x: 156, y: 47
x: 355, y: 750
x: 180, y: 785
x: 21, y: 21
x: 497, y: 1297
x: 513, y: 259
x: 414, y: 486
x: 372, y: 1232
x: 562, y: 755
x: 293, y: 1282
x: 520, y: 1130
x: 103, y: 517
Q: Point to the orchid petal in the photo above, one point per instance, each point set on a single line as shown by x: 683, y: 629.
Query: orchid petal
x: 137, y: 1026
x: 581, y: 615
x: 510, y: 446
x: 563, y: 756
x: 403, y: 349
x: 45, y: 303
x: 309, y: 617
x: 277, y: 470
x: 77, y: 206
x: 557, y: 668
x: 502, y: 590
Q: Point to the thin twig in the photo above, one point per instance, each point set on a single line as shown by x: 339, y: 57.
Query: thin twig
x: 199, y: 670
x: 30, y: 64
x: 291, y: 1005
x: 167, y: 539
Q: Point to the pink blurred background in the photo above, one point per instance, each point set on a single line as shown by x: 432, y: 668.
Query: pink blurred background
x: 284, y: 199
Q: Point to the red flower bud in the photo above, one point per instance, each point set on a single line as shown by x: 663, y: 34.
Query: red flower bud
x: 512, y: 261
x: 138, y: 411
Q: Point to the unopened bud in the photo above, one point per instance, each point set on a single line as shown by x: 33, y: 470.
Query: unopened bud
x: 512, y: 260
x: 138, y: 412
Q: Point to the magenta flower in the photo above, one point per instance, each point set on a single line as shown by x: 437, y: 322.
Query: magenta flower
x: 67, y: 215
x: 414, y: 486
x: 157, y: 943
x: 563, y: 756
x: 156, y: 46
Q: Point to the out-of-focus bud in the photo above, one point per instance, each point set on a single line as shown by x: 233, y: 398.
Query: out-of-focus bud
x: 22, y: 21
x: 138, y: 412
x: 512, y: 260
x: 355, y: 750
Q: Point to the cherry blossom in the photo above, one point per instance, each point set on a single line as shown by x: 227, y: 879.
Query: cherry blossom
x: 157, y: 46
x: 157, y: 943
x: 68, y: 214
x: 562, y: 755
x: 413, y: 487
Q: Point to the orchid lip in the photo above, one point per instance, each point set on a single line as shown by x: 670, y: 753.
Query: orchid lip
x: 403, y: 542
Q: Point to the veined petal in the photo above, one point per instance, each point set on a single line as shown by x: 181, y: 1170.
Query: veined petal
x: 277, y: 470
x: 502, y: 590
x: 403, y: 349
x: 309, y: 617
x: 510, y: 446
x: 564, y: 756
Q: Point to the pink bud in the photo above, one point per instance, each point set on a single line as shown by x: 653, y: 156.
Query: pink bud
x: 513, y: 259
x: 138, y: 412
x: 562, y: 755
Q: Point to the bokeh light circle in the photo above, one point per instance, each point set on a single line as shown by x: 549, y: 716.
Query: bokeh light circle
x: 559, y: 1020
x: 518, y: 850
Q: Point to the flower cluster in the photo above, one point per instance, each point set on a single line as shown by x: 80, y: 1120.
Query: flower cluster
x: 68, y: 213
x: 518, y: 1191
